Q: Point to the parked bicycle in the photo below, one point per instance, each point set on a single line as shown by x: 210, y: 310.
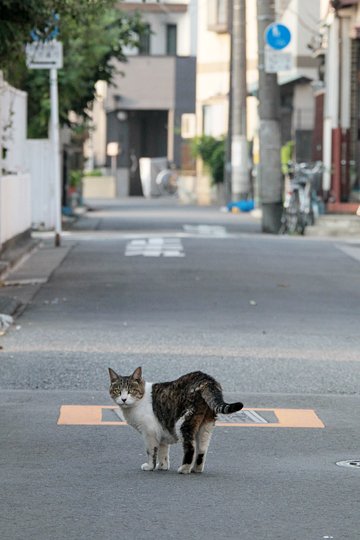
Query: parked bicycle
x: 300, y: 207
x: 167, y: 181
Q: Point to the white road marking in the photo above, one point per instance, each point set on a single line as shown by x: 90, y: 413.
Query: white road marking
x: 206, y: 230
x: 155, y: 247
x: 352, y: 251
x: 30, y: 281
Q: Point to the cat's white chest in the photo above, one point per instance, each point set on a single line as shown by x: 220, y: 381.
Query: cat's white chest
x: 141, y: 415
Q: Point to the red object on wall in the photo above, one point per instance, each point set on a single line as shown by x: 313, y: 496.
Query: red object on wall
x: 336, y: 165
x: 317, y: 152
x: 340, y: 182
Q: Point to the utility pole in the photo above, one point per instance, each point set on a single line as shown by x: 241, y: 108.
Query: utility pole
x: 54, y: 136
x: 227, y: 164
x: 269, y: 172
x: 239, y: 148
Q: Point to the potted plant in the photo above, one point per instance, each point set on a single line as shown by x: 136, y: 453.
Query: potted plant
x: 74, y: 188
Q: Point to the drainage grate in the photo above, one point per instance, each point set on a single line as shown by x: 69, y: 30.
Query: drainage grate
x: 354, y: 463
x: 108, y: 415
x: 247, y: 417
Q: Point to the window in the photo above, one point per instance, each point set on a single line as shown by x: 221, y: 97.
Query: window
x: 219, y: 15
x: 188, y: 126
x: 171, y: 39
x: 144, y: 41
x: 214, y: 119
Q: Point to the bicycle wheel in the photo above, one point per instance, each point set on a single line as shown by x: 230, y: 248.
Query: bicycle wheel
x: 310, y: 218
x: 301, y: 223
x: 166, y: 181
x: 293, y: 212
x: 283, y: 224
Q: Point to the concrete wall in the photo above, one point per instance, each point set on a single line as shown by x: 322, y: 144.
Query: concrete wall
x: 153, y: 83
x: 99, y: 187
x: 304, y: 107
x: 13, y: 126
x: 15, y: 205
x: 95, y: 146
x: 40, y: 165
x: 15, y: 182
x: 148, y: 83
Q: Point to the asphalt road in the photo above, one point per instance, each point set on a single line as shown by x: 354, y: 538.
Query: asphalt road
x: 174, y: 289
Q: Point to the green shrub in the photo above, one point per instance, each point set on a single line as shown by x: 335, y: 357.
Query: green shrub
x: 75, y: 178
x: 94, y: 172
x: 212, y: 152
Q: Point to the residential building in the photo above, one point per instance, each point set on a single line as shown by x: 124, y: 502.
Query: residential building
x: 296, y: 85
x: 142, y: 110
x: 338, y: 140
x: 296, y: 88
x: 212, y: 81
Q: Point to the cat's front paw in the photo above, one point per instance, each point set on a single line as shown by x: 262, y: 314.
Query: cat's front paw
x: 198, y: 468
x: 147, y: 467
x: 163, y: 466
x: 184, y: 469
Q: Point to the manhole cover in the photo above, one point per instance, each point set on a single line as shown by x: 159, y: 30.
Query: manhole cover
x: 354, y: 463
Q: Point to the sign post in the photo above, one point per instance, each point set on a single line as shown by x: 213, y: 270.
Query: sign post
x: 113, y: 150
x: 277, y: 37
x: 55, y: 139
x: 48, y: 55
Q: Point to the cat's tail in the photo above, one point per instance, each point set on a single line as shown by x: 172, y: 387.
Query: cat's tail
x: 214, y: 398
x: 228, y: 408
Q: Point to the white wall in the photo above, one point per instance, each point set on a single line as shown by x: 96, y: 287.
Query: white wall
x: 94, y: 147
x: 303, y: 19
x: 15, y: 205
x: 13, y: 125
x: 251, y: 43
x: 15, y: 183
x: 212, y: 81
x: 303, y: 105
x: 40, y: 164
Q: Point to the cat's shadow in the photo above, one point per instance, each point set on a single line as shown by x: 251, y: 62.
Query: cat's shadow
x: 160, y: 476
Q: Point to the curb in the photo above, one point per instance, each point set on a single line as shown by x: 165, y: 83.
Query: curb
x: 9, y: 259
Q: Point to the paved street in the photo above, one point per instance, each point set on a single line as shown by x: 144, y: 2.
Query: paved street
x: 176, y: 289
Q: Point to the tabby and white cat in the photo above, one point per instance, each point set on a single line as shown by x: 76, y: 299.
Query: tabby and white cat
x: 159, y: 410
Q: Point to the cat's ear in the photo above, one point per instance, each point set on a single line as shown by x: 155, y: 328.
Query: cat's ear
x: 113, y: 376
x: 137, y: 374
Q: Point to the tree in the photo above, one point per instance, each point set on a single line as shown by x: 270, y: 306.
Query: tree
x: 17, y: 19
x: 93, y: 32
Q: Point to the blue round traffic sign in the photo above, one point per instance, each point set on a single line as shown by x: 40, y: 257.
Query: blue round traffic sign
x: 277, y: 36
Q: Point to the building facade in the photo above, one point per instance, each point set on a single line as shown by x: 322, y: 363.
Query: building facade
x: 296, y: 84
x: 338, y: 103
x: 142, y: 110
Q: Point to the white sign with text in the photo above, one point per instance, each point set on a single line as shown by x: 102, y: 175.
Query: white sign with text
x: 44, y: 55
